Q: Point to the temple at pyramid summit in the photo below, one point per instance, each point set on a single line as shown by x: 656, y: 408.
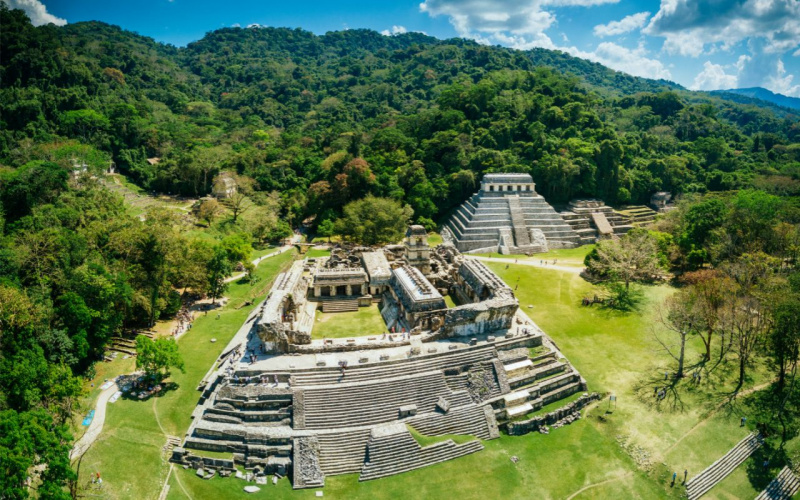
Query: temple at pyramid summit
x: 507, y: 215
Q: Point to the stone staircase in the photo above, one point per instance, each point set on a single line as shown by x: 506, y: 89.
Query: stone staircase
x: 638, y: 215
x: 592, y: 219
x: 783, y: 487
x: 393, y: 450
x: 521, y: 237
x: 342, y: 452
x: 700, y: 484
x: 340, y: 305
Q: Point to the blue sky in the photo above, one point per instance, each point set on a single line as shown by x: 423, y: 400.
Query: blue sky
x: 701, y: 44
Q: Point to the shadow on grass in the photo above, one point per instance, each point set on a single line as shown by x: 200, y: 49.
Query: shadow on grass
x: 150, y: 394
x: 759, y: 475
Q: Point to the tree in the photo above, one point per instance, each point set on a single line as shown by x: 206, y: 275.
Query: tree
x: 709, y: 289
x: 633, y: 257
x: 326, y: 229
x: 680, y: 320
x: 784, y: 340
x: 217, y: 269
x: 238, y: 189
x: 374, y: 221
x: 156, y: 357
x: 207, y: 210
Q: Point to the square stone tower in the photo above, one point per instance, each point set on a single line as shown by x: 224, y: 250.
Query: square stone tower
x: 418, y: 253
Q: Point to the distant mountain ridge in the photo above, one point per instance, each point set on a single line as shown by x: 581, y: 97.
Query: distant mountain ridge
x: 764, y: 95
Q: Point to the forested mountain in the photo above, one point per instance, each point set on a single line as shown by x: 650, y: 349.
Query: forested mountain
x: 760, y: 94
x: 326, y: 119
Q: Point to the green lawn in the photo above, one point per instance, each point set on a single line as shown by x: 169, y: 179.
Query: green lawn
x: 317, y: 252
x: 449, y: 301
x: 565, y: 257
x: 128, y: 452
x: 365, y: 321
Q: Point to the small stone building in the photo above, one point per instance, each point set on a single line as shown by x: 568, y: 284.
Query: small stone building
x: 340, y: 282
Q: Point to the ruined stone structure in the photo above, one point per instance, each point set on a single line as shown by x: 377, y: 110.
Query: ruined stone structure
x: 418, y: 253
x: 345, y: 406
x: 507, y: 215
x: 593, y: 220
x: 379, y: 271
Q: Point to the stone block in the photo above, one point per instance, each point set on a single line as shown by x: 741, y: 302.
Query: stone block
x: 443, y: 404
x: 321, y: 363
x: 407, y: 411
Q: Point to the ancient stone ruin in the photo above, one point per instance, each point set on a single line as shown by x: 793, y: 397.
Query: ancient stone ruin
x: 507, y: 215
x: 282, y: 402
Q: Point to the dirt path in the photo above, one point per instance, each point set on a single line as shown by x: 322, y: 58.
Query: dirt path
x: 714, y: 412
x: 574, y: 270
x: 256, y: 262
x: 626, y: 475
x: 96, y: 426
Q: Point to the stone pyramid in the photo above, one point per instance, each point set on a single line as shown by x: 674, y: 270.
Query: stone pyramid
x: 507, y: 215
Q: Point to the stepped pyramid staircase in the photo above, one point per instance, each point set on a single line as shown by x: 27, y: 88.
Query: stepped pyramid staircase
x: 702, y: 483
x: 783, y: 487
x: 638, y: 215
x: 521, y: 236
x: 477, y: 225
x: 593, y: 220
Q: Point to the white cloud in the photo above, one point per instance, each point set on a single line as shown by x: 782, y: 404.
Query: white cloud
x: 713, y: 77
x: 36, y: 11
x: 396, y: 30
x: 781, y: 83
x: 517, y: 23
x: 236, y: 25
x: 688, y: 26
x: 632, y: 61
x: 625, y: 25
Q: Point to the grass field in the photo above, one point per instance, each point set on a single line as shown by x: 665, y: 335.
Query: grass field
x: 365, y: 321
x: 627, y: 452
x: 128, y: 452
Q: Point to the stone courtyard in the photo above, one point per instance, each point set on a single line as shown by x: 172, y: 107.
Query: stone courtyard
x: 283, y: 403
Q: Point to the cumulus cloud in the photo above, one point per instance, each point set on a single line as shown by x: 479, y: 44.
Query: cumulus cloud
x: 714, y: 77
x: 518, y: 23
x: 624, y: 25
x: 36, y: 11
x: 688, y: 26
x: 781, y: 83
x: 396, y: 30
x: 632, y: 61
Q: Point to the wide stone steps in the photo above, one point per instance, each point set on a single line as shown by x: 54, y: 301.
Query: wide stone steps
x: 353, y: 405
x: 343, y: 305
x: 400, y: 453
x: 783, y: 487
x: 443, y: 361
x: 342, y: 452
x: 716, y: 472
x: 468, y: 420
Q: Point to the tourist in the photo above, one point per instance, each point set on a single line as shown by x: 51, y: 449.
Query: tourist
x: 743, y: 421
x: 674, y: 477
x: 685, y: 474
x: 655, y: 391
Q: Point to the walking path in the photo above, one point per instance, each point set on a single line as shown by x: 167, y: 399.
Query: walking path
x: 96, y: 426
x: 525, y: 262
x: 601, y: 483
x: 256, y: 262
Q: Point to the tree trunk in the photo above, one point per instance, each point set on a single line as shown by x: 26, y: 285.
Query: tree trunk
x: 681, y: 358
x: 742, y: 364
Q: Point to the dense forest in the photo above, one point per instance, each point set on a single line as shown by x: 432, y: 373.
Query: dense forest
x: 305, y: 125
